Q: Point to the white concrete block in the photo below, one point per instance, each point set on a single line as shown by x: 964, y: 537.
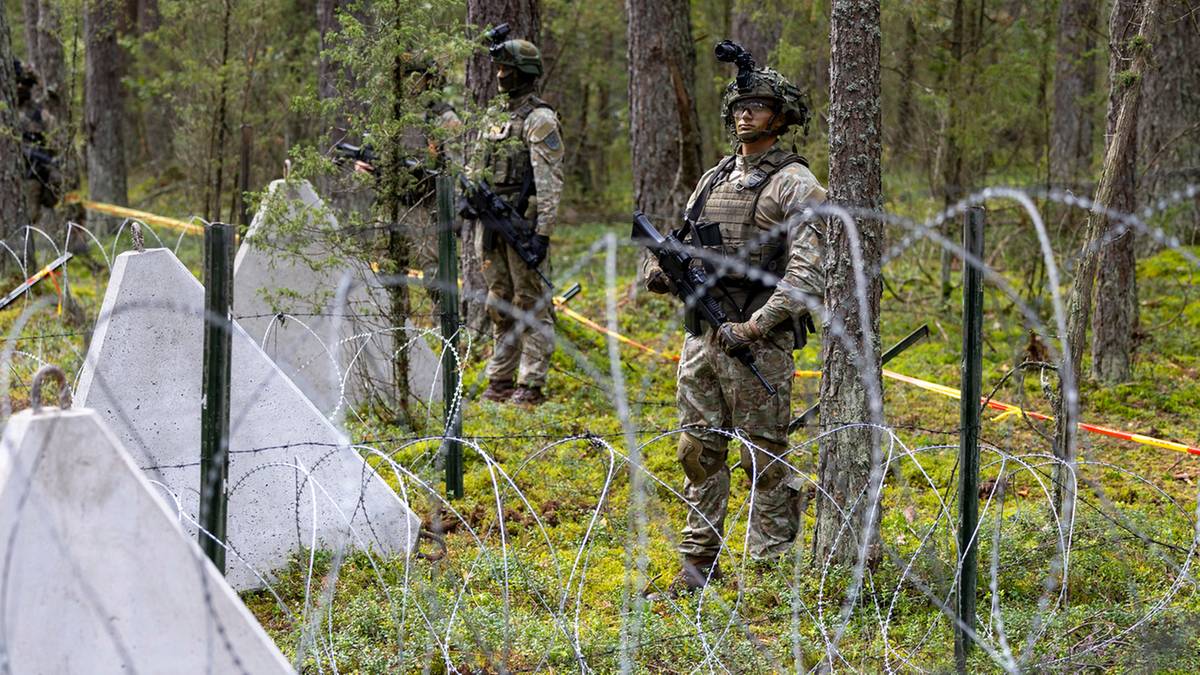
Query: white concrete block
x: 328, y: 357
x: 98, y: 576
x: 142, y: 375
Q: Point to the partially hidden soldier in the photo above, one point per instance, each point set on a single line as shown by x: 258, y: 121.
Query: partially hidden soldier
x: 420, y: 218
x: 746, y: 214
x: 524, y: 159
x: 424, y: 152
x: 43, y: 180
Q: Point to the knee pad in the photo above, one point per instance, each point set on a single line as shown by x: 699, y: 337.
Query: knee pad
x: 691, y: 457
x: 764, y: 469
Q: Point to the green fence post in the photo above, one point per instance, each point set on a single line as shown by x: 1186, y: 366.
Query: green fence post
x: 447, y: 280
x: 968, y: 449
x: 214, y: 394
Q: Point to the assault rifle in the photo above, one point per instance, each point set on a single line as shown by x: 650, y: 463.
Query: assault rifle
x: 502, y: 219
x: 39, y: 163
x: 691, y: 282
x: 356, y: 153
x: 366, y: 154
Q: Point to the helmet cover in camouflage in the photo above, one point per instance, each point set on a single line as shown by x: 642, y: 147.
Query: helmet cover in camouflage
x: 520, y: 54
x: 768, y: 84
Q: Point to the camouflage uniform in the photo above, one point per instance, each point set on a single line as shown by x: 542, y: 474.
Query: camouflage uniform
x: 43, y: 181
x: 421, y: 218
x: 749, y: 196
x: 523, y: 343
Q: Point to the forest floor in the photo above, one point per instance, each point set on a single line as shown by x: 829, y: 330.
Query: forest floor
x: 542, y: 561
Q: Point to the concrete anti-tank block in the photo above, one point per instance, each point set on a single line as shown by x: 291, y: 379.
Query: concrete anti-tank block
x: 98, y: 576
x: 142, y: 375
x: 331, y: 358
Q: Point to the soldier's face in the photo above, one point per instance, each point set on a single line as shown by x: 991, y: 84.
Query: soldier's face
x: 507, y: 76
x: 753, y: 117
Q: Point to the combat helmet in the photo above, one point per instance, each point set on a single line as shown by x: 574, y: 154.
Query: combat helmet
x: 752, y: 82
x: 522, y: 55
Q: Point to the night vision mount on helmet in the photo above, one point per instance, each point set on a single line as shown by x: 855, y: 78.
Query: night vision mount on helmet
x: 522, y: 55
x: 761, y: 83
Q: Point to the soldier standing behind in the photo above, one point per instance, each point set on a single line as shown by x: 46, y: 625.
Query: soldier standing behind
x: 43, y: 180
x: 524, y: 158
x: 423, y: 155
x: 748, y: 210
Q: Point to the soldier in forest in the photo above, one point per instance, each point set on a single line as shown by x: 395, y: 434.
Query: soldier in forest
x: 43, y: 181
x: 523, y: 158
x: 750, y: 211
x: 422, y: 154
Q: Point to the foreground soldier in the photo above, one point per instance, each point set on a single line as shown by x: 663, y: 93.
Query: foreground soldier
x: 524, y: 157
x: 747, y: 209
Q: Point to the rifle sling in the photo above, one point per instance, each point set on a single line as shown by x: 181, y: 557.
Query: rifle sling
x: 528, y: 189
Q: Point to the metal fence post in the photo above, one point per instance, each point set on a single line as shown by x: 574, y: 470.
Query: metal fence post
x: 214, y: 395
x: 447, y: 280
x: 968, y: 449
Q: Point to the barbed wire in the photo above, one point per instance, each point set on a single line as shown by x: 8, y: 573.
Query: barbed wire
x: 516, y: 568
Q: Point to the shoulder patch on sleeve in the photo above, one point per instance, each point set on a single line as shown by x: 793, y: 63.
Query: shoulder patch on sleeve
x: 552, y: 140
x: 541, y: 123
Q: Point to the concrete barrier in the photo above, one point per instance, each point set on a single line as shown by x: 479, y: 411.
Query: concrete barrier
x: 336, y: 352
x: 97, y: 575
x: 142, y: 375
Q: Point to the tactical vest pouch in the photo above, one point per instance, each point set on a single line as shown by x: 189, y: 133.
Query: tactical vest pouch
x: 708, y: 234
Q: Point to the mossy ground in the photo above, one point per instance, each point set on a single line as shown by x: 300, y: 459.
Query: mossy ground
x: 533, y: 568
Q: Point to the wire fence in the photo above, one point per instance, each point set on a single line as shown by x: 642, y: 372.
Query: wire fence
x: 347, y: 551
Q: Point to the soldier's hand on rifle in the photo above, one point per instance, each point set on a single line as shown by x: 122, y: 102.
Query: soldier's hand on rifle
x: 539, y: 245
x: 733, y: 337
x: 657, y: 281
x: 363, y: 167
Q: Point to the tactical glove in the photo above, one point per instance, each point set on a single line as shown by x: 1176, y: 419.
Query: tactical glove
x: 657, y: 281
x: 733, y: 337
x: 539, y: 246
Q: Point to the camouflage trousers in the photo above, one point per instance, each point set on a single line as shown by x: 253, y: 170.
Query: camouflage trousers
x: 716, y: 391
x: 520, y: 308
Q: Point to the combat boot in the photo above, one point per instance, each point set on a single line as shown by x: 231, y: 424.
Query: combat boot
x: 695, y: 574
x: 528, y: 396
x: 499, y: 391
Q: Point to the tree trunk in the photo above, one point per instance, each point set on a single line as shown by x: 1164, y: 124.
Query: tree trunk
x: 60, y: 127
x: 1169, y: 130
x: 48, y: 56
x: 905, y: 127
x: 757, y: 27
x: 1079, y: 304
x: 29, y: 9
x: 850, y: 388
x: 399, y: 254
x: 326, y: 23
x: 105, y: 107
x: 13, y: 210
x: 1116, y: 314
x: 952, y: 161
x: 1074, y: 84
x: 524, y: 19
x: 663, y: 126
x: 522, y: 16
